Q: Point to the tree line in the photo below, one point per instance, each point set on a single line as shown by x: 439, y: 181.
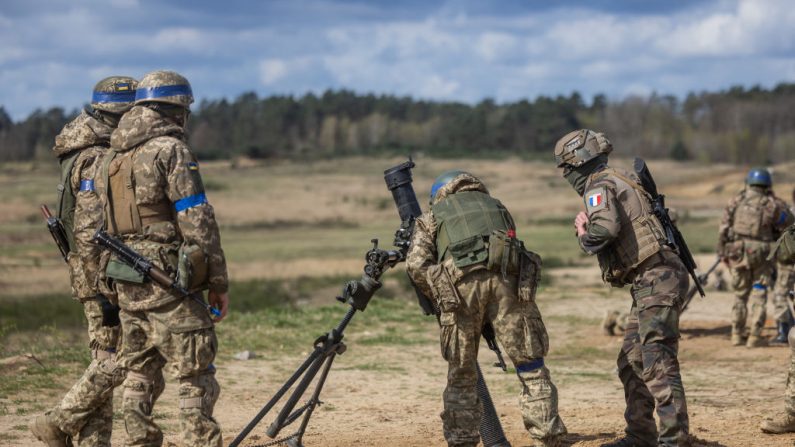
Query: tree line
x: 737, y: 125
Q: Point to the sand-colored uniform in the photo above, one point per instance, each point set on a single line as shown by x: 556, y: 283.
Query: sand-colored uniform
x: 626, y: 237
x: 471, y: 295
x: 752, y: 220
x: 155, y: 202
x: 86, y: 411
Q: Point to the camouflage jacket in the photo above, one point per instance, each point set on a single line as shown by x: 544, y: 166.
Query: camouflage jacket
x: 91, y: 137
x: 770, y: 216
x: 165, y: 171
x: 422, y: 250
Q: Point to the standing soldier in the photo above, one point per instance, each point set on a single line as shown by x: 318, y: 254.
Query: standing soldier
x: 465, y: 255
x: 753, y: 219
x: 785, y: 281
x: 154, y: 201
x: 86, y: 412
x: 629, y: 241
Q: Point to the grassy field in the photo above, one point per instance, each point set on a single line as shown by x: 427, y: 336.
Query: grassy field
x: 293, y: 234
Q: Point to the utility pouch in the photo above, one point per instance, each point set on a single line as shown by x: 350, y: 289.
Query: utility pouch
x: 734, y: 252
x: 122, y: 272
x: 784, y: 249
x: 503, y: 253
x: 443, y: 288
x: 529, y: 275
x: 192, y: 271
x: 756, y: 253
x: 471, y: 250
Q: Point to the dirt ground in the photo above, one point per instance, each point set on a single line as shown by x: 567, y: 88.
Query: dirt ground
x: 391, y: 396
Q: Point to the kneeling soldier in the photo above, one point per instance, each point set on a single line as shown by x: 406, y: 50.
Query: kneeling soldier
x: 465, y: 255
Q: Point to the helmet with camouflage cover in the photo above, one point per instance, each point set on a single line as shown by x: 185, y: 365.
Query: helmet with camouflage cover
x: 759, y: 177
x: 578, y: 147
x: 164, y: 86
x: 443, y: 179
x: 114, y: 94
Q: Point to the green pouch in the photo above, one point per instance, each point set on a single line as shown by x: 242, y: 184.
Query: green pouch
x: 123, y: 272
x: 503, y: 253
x: 192, y: 272
x: 471, y: 250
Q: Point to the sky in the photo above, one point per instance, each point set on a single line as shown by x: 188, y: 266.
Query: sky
x: 52, y: 52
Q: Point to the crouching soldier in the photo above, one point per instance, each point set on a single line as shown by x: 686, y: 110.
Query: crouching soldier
x: 465, y: 255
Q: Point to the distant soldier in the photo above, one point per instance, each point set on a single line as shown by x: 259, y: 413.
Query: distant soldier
x: 154, y: 201
x: 785, y: 281
x: 85, y: 414
x: 752, y: 220
x: 629, y: 241
x: 465, y: 255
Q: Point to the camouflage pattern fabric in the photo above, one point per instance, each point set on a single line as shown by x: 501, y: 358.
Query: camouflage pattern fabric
x: 180, y: 335
x: 785, y: 281
x: 750, y: 283
x: 647, y: 364
x: 164, y: 170
x: 86, y: 411
x: 469, y: 298
x: 789, y: 392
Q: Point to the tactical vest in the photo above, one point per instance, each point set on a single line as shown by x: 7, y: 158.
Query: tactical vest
x: 66, y: 198
x: 465, y: 221
x: 123, y: 215
x: 754, y: 217
x: 638, y: 240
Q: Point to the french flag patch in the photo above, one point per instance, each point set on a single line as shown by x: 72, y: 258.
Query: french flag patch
x: 595, y: 199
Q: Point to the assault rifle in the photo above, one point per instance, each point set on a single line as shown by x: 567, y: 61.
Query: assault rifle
x: 147, y: 268
x: 702, y: 280
x: 674, y: 237
x: 57, y: 231
x: 398, y: 180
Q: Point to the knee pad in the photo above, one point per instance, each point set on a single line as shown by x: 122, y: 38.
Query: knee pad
x: 139, y: 388
x: 200, y: 392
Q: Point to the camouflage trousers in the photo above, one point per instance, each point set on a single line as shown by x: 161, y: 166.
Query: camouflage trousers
x: 648, y: 365
x: 86, y: 411
x: 179, y: 335
x: 750, y: 283
x: 785, y: 281
x: 485, y: 296
x: 789, y: 393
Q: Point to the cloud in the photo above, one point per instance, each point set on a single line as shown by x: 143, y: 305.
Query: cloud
x: 466, y: 50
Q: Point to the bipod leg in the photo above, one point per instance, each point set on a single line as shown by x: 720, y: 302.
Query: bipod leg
x: 320, y: 352
x: 314, y: 401
x: 490, y: 427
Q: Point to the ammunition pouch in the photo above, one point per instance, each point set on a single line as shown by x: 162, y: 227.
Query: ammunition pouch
x: 443, y: 288
x: 784, y: 249
x: 529, y: 275
x: 504, y: 253
x: 469, y: 251
x: 164, y: 256
x: 192, y: 269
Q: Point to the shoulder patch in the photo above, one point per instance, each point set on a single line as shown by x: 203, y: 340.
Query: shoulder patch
x: 193, y: 166
x: 596, y: 199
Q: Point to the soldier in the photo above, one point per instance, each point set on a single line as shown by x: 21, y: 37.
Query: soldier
x: 464, y: 254
x: 752, y: 220
x: 629, y: 241
x: 86, y: 412
x: 155, y: 202
x: 785, y: 281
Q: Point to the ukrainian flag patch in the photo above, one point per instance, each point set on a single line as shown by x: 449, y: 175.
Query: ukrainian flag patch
x: 193, y: 166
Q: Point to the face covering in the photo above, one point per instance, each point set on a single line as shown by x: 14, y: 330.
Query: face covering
x: 578, y: 177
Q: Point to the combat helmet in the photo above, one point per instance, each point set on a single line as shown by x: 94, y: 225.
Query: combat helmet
x: 580, y: 146
x: 114, y: 94
x: 166, y: 87
x: 759, y: 177
x: 443, y: 179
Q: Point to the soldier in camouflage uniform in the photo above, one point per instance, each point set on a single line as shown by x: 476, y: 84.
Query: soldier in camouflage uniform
x: 753, y: 219
x: 465, y: 255
x: 785, y: 281
x: 154, y: 201
x: 86, y: 412
x: 628, y: 239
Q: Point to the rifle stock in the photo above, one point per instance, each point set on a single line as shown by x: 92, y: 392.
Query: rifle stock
x: 55, y: 226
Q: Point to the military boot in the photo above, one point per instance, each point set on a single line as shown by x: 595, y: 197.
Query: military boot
x: 555, y: 441
x: 625, y: 442
x: 46, y: 431
x: 784, y: 423
x: 756, y: 341
x: 781, y: 338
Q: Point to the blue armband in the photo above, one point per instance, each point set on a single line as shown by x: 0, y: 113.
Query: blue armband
x: 190, y: 201
x: 530, y: 366
x: 87, y: 185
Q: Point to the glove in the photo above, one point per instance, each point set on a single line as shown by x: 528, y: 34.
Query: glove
x: 110, y: 312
